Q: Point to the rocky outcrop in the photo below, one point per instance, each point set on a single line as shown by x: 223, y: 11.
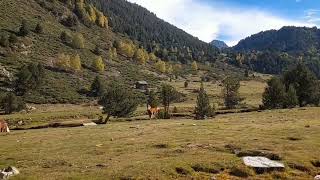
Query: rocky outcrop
x: 5, y: 75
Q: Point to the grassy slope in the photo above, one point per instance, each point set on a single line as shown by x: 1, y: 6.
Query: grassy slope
x: 154, y: 149
x: 59, y: 86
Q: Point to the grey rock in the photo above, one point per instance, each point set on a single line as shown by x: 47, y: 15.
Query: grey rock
x: 261, y: 162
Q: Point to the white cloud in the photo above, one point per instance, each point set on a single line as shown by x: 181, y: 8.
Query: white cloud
x: 313, y: 16
x: 210, y: 22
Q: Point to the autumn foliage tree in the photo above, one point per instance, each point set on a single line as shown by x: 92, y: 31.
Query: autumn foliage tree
x: 75, y: 63
x: 98, y: 64
x: 194, y: 66
x: 161, y: 66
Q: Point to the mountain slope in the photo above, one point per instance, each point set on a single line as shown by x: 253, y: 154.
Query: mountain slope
x: 45, y: 48
x: 219, y: 44
x: 142, y: 25
x: 276, y: 51
x: 287, y: 39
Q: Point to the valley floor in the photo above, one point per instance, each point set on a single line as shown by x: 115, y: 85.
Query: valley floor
x: 168, y: 149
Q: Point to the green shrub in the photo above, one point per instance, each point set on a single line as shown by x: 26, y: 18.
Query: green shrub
x: 4, y: 42
x: 11, y: 103
x: 24, y: 29
x: 39, y: 29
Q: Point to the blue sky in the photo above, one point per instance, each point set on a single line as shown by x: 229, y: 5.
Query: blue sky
x: 233, y: 20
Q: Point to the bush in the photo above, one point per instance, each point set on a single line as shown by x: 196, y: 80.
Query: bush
x: 78, y: 41
x: 24, y: 29
x: 163, y: 115
x: 97, y: 51
x: 63, y: 62
x: 11, y: 103
x: 70, y: 21
x: 66, y: 38
x: 39, y: 29
x: 4, y: 42
x: 13, y: 38
x: 186, y: 84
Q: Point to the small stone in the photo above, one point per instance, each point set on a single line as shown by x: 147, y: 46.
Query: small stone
x: 111, y: 139
x: 317, y: 177
x: 100, y: 165
x: 193, y: 124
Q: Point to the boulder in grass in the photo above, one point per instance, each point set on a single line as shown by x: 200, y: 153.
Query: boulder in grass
x: 262, y: 164
x: 8, y: 172
x: 89, y: 124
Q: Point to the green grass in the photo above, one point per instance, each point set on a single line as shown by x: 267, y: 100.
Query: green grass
x: 155, y: 149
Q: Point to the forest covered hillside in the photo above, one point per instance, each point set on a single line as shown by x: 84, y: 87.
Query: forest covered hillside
x: 275, y: 51
x: 168, y: 41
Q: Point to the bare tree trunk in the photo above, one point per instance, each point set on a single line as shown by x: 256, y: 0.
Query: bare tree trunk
x: 107, y: 118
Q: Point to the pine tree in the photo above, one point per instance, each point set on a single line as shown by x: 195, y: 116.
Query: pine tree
x: 97, y: 87
x: 11, y: 103
x: 231, y: 92
x: 203, y: 108
x: 168, y: 94
x: 118, y: 101
x: 153, y: 100
x: 304, y: 82
x: 275, y: 95
x: 291, y: 98
x: 29, y: 77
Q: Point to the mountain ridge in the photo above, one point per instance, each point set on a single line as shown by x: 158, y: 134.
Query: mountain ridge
x: 219, y: 44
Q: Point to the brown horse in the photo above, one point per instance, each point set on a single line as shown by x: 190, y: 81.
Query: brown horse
x: 152, y: 112
x: 4, y: 126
